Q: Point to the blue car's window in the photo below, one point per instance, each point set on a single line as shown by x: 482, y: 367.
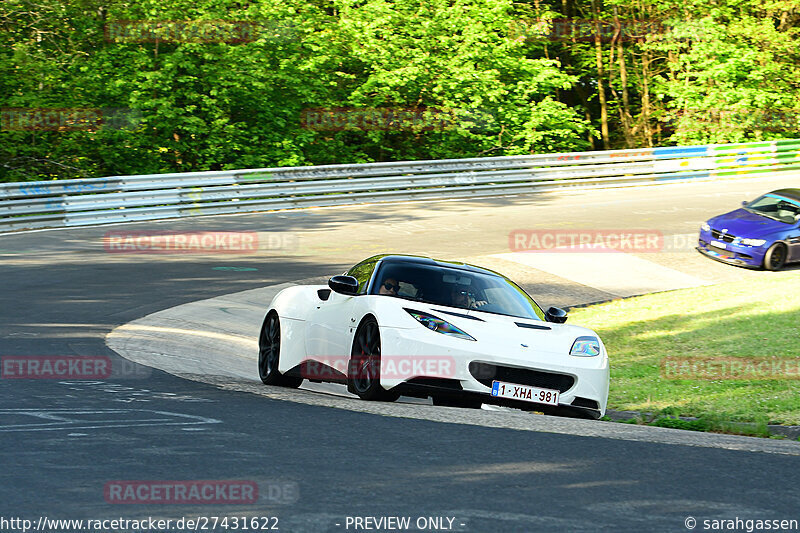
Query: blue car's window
x: 776, y: 207
x: 462, y: 289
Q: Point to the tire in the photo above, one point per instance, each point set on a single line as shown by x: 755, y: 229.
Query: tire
x: 364, y: 368
x: 775, y: 257
x: 269, y: 353
x: 449, y: 401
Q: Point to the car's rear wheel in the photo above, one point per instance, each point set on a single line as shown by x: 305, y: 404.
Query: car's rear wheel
x: 451, y: 401
x: 269, y: 354
x: 775, y: 257
x: 364, y: 369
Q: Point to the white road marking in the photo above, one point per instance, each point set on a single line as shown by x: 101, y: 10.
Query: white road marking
x: 616, y: 273
x: 96, y: 419
x: 144, y: 329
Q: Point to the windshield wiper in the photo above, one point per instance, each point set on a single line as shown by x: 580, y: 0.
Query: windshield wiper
x: 761, y: 213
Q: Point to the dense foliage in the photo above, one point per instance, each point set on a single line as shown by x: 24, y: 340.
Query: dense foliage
x: 508, y: 78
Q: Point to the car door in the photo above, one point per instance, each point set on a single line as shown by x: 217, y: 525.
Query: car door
x: 793, y: 240
x: 328, y: 335
x: 327, y: 332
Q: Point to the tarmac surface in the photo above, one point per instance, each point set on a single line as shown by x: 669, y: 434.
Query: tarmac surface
x: 318, y: 458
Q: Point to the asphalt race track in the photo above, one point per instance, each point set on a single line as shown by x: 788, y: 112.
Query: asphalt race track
x: 318, y: 458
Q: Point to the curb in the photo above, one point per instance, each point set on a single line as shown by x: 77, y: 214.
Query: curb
x: 790, y: 432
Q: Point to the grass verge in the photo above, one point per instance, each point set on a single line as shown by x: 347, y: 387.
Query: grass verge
x: 750, y: 319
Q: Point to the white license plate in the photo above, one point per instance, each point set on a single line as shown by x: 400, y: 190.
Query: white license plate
x: 525, y: 393
x: 719, y: 245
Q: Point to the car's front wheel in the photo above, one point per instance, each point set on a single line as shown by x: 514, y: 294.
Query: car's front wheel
x: 775, y: 257
x: 364, y: 369
x: 269, y: 354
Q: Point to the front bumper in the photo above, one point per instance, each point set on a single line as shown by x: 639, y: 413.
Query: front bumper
x: 462, y: 368
x: 745, y: 256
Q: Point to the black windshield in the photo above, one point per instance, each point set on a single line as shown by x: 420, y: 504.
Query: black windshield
x: 775, y: 207
x: 437, y: 285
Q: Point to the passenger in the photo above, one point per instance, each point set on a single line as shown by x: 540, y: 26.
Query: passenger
x: 390, y: 287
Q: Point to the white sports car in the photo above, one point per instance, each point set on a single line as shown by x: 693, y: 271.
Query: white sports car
x: 406, y: 325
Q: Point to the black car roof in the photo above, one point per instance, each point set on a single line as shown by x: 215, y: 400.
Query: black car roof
x: 458, y: 265
x: 794, y: 194
x: 422, y: 260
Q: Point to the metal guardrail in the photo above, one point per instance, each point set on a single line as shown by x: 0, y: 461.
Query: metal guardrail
x: 27, y: 205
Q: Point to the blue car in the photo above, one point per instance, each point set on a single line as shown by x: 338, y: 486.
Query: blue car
x: 764, y: 233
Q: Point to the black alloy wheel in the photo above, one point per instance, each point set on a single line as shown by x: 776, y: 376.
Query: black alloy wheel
x: 269, y: 353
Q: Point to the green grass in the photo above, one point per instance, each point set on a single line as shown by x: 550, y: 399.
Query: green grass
x: 666, y: 418
x: 754, y: 318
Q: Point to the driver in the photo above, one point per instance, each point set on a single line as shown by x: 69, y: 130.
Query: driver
x: 460, y: 297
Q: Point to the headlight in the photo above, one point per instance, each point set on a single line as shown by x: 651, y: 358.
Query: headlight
x: 705, y: 227
x: 753, y: 242
x: 438, y: 325
x: 585, y: 347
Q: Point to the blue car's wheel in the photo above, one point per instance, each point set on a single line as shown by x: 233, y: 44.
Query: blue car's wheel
x: 775, y: 257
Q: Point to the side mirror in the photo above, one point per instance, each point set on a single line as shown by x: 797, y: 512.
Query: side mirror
x: 344, y: 284
x: 556, y: 315
x: 744, y: 203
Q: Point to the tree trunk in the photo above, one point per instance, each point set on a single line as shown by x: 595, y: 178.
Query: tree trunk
x: 584, y: 98
x: 625, y: 113
x: 601, y: 91
x: 646, y: 111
